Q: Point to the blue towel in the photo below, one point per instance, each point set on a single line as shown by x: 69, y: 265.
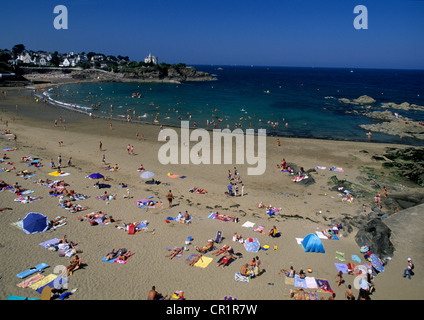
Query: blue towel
x: 356, y: 258
x: 301, y: 283
x: 30, y: 271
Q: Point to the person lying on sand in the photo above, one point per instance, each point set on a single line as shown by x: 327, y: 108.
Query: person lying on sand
x: 224, y: 249
x: 121, y: 252
x: 175, y: 252
x: 125, y: 256
x: 206, y: 248
x: 55, y: 222
x: 196, y: 258
x: 74, y: 265
x: 226, y: 260
x: 77, y: 208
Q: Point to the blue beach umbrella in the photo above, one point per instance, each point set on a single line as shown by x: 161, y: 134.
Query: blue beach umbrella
x: 34, y: 222
x: 147, y: 175
x: 95, y: 176
x: 252, y: 245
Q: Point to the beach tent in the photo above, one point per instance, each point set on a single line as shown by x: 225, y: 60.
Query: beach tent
x: 252, y: 245
x: 147, y: 175
x: 312, y: 243
x: 95, y: 176
x: 34, y: 222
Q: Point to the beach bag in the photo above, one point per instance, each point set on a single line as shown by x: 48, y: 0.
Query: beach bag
x: 131, y: 229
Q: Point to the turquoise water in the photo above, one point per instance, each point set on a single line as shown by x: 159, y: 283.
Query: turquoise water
x: 293, y: 102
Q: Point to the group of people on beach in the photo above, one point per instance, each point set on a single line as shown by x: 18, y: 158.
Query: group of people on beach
x: 234, y: 182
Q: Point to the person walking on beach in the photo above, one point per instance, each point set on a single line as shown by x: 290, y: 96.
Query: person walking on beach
x: 408, y: 271
x: 100, y: 146
x: 128, y: 149
x: 170, y: 197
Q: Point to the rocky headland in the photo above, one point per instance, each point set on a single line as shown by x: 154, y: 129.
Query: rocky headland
x: 389, y: 122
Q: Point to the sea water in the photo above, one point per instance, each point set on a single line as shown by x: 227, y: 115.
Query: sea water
x: 286, y: 101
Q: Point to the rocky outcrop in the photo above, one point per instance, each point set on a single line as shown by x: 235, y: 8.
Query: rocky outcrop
x: 170, y: 74
x: 403, y: 106
x: 394, y: 125
x: 376, y: 235
x: 408, y: 162
x: 362, y: 100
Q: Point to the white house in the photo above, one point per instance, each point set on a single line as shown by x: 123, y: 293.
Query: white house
x: 151, y: 59
x: 26, y: 58
x: 65, y: 63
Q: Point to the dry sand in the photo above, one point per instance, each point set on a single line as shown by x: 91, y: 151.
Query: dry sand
x: 38, y: 137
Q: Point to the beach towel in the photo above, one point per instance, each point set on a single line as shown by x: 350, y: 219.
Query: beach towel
x: 59, y: 174
x: 340, y: 256
x: 120, y: 261
x: 239, y: 278
x: 320, y: 167
x: 248, y: 224
x: 32, y: 270
x: 311, y: 283
x: 55, y: 283
x: 44, y: 281
x: 356, y: 258
x: 31, y: 280
x: 204, y: 262
x: 299, y: 283
x: 324, y: 285
x: 321, y: 235
x: 25, y: 200
x: 173, y: 176
x: 259, y: 229
x: 376, y: 263
x: 109, y: 261
x: 214, y: 215
x: 289, y: 281
x: 49, y: 243
x: 27, y: 192
x: 12, y: 297
x: 341, y: 267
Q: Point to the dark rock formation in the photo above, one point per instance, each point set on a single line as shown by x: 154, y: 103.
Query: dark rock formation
x: 377, y: 235
x: 408, y: 162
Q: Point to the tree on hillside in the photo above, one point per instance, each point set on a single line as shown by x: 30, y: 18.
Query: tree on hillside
x: 17, y: 50
x: 55, y: 59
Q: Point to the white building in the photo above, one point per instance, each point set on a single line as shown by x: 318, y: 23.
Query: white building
x: 151, y: 59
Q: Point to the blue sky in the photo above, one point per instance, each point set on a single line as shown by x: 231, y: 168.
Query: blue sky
x: 250, y: 32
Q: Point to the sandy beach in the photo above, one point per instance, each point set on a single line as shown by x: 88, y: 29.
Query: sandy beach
x: 304, y: 210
